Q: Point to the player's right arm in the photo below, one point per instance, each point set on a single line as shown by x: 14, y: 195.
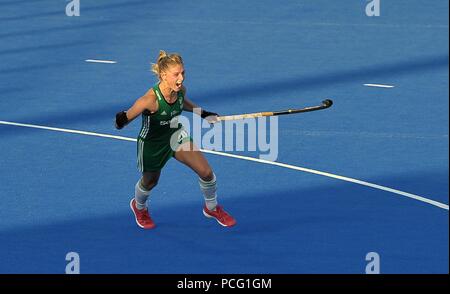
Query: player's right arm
x: 146, y: 102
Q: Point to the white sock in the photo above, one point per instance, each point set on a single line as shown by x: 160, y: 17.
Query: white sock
x: 141, y: 195
x: 209, y: 192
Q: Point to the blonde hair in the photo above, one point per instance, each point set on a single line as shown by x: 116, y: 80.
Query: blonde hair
x: 164, y: 61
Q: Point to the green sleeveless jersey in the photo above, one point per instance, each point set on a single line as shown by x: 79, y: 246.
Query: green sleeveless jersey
x: 157, y: 126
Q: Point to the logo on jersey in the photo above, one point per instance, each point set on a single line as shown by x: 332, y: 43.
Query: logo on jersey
x: 164, y: 113
x: 181, y: 136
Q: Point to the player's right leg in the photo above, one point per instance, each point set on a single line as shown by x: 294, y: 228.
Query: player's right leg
x: 139, y: 203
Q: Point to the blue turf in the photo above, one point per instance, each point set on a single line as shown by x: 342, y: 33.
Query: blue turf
x: 65, y: 192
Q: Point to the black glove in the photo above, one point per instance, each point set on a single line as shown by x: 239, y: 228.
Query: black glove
x: 205, y: 114
x: 121, y: 120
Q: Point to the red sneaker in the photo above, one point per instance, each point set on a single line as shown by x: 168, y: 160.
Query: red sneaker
x: 142, y: 217
x: 221, y: 216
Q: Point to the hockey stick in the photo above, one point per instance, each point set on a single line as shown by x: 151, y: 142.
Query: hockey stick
x: 325, y: 104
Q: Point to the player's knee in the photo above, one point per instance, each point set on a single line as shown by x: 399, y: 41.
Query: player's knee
x: 149, y: 184
x: 206, y: 174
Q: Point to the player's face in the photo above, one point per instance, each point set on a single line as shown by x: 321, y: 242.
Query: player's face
x: 174, y: 77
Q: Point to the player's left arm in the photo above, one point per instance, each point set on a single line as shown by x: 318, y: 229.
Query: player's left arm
x: 190, y: 106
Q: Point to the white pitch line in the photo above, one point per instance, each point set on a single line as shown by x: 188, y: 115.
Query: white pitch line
x: 101, y: 61
x: 325, y: 174
x: 379, y: 86
x: 293, y: 167
x: 66, y: 131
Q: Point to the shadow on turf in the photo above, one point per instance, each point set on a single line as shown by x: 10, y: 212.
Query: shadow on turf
x: 9, y: 90
x: 403, y: 67
x: 34, y: 32
x: 326, y: 229
x: 50, y: 47
x: 61, y: 11
x: 16, y: 2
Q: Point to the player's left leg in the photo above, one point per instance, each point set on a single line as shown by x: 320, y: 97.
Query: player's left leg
x: 190, y: 155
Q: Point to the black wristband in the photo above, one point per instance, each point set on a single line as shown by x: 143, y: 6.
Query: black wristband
x: 205, y: 114
x: 121, y: 120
